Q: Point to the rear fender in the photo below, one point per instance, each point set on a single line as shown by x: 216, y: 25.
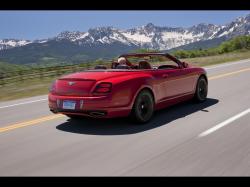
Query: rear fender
x: 125, y: 91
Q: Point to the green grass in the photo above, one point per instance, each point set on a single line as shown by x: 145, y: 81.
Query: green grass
x: 6, y: 67
x: 23, y: 89
x: 39, y: 86
x: 218, y: 59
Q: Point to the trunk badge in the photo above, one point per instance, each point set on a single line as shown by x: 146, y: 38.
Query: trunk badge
x: 71, y: 83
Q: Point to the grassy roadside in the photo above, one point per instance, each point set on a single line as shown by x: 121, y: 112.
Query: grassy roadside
x: 218, y: 59
x: 24, y: 89
x: 37, y: 86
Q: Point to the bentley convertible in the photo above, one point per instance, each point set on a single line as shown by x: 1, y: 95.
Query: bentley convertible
x: 136, y: 85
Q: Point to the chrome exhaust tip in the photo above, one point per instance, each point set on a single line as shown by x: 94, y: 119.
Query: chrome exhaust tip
x: 97, y: 114
x: 53, y: 111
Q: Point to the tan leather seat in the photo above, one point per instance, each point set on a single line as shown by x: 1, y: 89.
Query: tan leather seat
x: 144, y: 65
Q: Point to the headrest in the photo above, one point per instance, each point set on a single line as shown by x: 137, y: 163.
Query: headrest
x: 144, y: 65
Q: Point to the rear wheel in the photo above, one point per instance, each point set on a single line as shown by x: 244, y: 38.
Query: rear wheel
x: 143, y: 107
x: 201, y: 90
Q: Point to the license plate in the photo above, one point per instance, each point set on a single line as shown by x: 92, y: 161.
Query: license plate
x: 69, y: 105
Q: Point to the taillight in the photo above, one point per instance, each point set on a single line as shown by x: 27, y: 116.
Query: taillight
x: 103, y: 88
x: 52, y: 88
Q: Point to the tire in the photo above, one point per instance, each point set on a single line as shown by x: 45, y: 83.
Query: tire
x: 143, y: 107
x: 201, y: 90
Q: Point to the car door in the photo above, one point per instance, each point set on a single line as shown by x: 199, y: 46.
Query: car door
x: 160, y: 84
x: 179, y: 82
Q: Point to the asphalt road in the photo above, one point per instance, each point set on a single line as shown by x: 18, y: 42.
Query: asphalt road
x: 208, y: 139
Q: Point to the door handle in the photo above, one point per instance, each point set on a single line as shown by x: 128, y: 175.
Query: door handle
x: 165, y: 75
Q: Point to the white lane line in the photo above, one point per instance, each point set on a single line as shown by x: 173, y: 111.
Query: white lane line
x: 226, y: 64
x: 34, y: 101
x: 220, y: 125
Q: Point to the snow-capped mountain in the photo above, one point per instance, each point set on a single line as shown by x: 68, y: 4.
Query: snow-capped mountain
x: 100, y: 35
x: 148, y: 36
x: 241, y: 26
x: 109, y: 41
x: 10, y: 43
x: 158, y: 37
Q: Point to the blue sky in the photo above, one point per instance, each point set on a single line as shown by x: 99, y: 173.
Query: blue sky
x: 43, y: 24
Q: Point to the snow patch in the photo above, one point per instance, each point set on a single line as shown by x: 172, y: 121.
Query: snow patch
x: 119, y: 38
x: 42, y: 41
x: 227, y: 32
x: 14, y: 43
x: 82, y: 36
x: 141, y: 38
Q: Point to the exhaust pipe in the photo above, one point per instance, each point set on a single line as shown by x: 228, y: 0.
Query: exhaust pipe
x: 53, y: 111
x: 97, y: 114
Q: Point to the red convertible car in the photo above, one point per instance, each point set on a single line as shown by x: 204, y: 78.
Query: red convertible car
x: 136, y: 85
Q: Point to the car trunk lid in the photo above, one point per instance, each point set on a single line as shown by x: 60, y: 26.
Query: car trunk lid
x: 82, y: 83
x: 74, y: 86
x: 97, y: 75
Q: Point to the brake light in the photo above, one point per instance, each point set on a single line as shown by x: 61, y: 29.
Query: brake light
x: 103, y: 88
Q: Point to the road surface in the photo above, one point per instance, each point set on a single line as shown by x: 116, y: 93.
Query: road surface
x: 208, y: 139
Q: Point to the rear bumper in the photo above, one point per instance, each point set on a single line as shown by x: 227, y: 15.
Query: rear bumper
x: 97, y: 107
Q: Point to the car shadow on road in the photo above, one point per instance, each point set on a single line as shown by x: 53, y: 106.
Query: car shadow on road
x: 122, y: 126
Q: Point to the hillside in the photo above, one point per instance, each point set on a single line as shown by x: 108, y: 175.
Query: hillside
x: 232, y: 45
x: 7, y: 67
